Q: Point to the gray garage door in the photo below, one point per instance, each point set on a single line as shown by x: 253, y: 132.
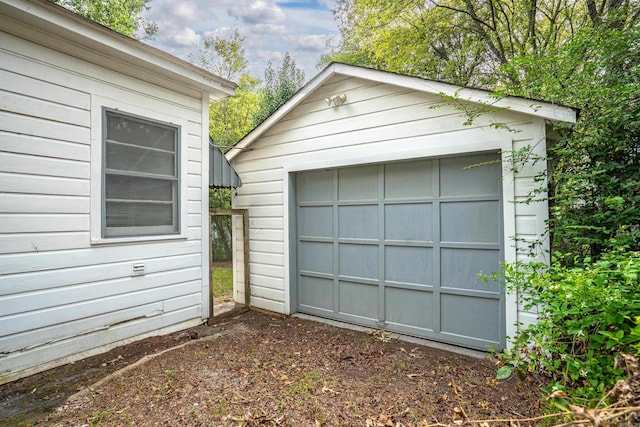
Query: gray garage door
x: 399, y: 246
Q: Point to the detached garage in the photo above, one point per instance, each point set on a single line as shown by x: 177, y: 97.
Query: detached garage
x: 373, y: 202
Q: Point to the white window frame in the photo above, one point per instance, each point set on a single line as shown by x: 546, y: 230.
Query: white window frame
x: 98, y: 128
x: 140, y: 230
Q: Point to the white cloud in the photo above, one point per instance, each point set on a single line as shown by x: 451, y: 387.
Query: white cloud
x: 186, y: 37
x: 184, y: 10
x: 310, y: 43
x: 268, y: 29
x: 257, y: 12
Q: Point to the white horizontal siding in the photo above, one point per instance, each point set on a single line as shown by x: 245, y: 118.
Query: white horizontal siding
x: 52, y: 333
x: 38, y: 108
x: 38, y: 203
x: 47, y: 279
x: 267, y: 258
x: 35, y: 165
x: 257, y: 222
x: 33, y: 262
x: 267, y: 293
x: 42, y: 223
x: 62, y: 297
x: 266, y: 246
x: 258, y: 176
x: 20, y: 363
x: 42, y: 242
x: 32, y: 126
x: 38, y: 184
x: 266, y: 211
x: 388, y: 146
x: 26, y: 144
x: 43, y: 90
x: 72, y: 307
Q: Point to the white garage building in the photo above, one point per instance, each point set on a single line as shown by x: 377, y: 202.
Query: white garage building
x: 365, y: 210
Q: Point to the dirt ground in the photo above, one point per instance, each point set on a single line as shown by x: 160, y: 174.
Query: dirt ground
x: 263, y: 369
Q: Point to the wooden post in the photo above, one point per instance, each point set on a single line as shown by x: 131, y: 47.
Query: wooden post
x: 211, y: 312
x: 245, y: 244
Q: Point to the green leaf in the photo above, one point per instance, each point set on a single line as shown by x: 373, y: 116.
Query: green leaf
x: 504, y: 372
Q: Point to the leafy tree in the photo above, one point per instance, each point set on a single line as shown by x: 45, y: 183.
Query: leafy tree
x: 123, y: 16
x: 596, y: 167
x: 279, y: 86
x: 232, y: 118
x: 224, y: 57
x: 464, y: 41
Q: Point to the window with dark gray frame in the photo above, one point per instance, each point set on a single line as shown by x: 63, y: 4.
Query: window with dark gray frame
x: 141, y: 176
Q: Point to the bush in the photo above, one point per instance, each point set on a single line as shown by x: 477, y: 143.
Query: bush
x: 587, y: 316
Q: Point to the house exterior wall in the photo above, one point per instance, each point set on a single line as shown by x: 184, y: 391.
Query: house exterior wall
x: 65, y: 292
x: 378, y: 123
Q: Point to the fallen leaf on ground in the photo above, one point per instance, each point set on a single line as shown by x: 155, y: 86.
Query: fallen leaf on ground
x: 326, y: 389
x: 454, y: 388
x: 459, y: 416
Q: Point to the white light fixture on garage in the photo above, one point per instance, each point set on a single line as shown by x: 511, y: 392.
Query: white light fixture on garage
x: 337, y: 99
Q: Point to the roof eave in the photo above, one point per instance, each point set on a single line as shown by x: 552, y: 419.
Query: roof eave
x: 479, y: 96
x: 118, y: 51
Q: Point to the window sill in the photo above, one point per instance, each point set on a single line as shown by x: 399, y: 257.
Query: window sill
x: 137, y: 239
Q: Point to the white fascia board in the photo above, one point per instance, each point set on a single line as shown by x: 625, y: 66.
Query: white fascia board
x: 54, y: 23
x: 478, y: 96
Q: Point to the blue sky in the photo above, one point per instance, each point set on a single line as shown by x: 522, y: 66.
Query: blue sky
x: 301, y: 27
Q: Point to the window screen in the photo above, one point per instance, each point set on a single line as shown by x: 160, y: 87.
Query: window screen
x: 140, y: 176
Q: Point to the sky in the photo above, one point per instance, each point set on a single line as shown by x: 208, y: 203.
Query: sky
x: 270, y: 28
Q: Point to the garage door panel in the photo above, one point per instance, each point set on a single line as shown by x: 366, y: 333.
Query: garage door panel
x: 409, y: 307
x: 408, y: 180
x: 359, y: 261
x: 457, y: 178
x: 315, y: 221
x: 460, y: 268
x: 470, y: 317
x: 315, y: 186
x: 400, y: 246
x: 405, y: 264
x: 360, y: 183
x: 358, y: 222
x: 409, y: 222
x: 316, y: 257
x: 470, y: 222
x: 358, y: 299
x: 316, y: 292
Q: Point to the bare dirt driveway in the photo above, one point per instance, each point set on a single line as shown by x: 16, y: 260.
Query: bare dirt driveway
x: 265, y: 369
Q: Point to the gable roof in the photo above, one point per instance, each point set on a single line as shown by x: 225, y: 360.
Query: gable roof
x: 53, y: 26
x: 531, y: 107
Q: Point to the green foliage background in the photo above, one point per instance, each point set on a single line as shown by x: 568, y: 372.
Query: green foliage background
x: 587, y: 315
x: 123, y: 16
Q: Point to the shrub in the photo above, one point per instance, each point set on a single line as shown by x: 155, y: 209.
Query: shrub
x: 587, y: 315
